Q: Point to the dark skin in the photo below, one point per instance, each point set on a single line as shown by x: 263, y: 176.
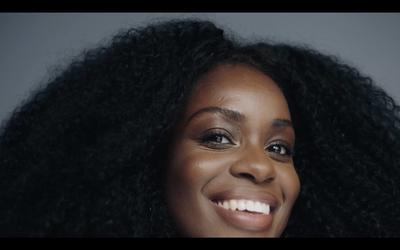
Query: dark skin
x: 231, y: 171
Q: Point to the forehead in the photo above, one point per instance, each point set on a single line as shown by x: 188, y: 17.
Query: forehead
x: 239, y: 87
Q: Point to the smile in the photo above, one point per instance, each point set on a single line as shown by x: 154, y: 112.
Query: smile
x: 247, y: 210
x: 245, y: 205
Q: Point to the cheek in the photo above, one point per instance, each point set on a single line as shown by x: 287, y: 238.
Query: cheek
x: 188, y: 175
x: 193, y: 168
x: 290, y: 185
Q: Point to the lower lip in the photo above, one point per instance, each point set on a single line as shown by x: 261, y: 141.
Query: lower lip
x: 245, y: 220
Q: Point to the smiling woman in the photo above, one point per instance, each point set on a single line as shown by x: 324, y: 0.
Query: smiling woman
x: 230, y: 160
x: 174, y: 129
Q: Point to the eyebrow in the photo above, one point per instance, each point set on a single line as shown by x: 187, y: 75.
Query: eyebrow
x: 237, y: 116
x: 282, y: 123
x: 227, y: 113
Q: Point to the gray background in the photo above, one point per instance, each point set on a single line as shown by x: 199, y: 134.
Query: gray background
x: 31, y: 44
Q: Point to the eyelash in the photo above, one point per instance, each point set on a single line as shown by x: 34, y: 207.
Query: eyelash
x: 287, y: 151
x: 208, y: 139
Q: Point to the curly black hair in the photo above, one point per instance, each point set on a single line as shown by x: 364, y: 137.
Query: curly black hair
x: 85, y: 154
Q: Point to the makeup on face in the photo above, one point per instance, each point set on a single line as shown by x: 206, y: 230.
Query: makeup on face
x: 231, y: 170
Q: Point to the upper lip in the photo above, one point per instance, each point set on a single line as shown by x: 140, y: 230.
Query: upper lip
x: 246, y: 194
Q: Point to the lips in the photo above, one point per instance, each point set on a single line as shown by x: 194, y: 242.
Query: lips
x: 245, y: 209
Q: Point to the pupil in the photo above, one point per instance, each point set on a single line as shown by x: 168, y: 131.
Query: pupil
x: 278, y: 149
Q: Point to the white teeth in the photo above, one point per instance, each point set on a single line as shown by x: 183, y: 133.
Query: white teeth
x: 233, y: 204
x: 248, y: 205
x: 265, y: 208
x: 226, y: 204
x: 241, y: 205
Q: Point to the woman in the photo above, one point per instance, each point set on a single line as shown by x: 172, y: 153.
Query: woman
x: 177, y: 130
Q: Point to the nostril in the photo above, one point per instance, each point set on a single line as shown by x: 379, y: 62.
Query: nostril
x: 247, y: 176
x: 253, y: 178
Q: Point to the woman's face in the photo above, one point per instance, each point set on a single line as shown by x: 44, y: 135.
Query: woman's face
x: 230, y: 171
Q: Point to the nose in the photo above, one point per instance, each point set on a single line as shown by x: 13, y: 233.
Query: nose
x: 255, y: 166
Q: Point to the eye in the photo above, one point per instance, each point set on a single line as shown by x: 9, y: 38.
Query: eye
x: 216, y: 139
x: 280, y: 149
